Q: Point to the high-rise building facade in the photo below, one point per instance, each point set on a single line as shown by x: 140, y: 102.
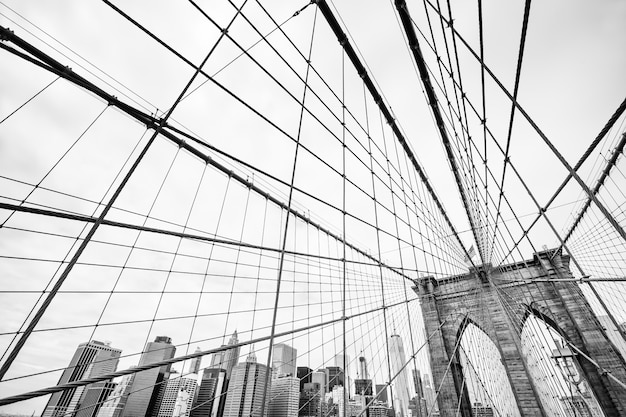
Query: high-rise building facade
x: 91, y: 359
x: 311, y: 398
x: 148, y: 386
x: 401, y: 383
x: 227, y: 359
x: 419, y: 400
x: 304, y: 374
x: 363, y: 387
x: 320, y: 377
x: 284, y: 360
x: 246, y: 390
x: 211, y: 395
x: 429, y: 396
x: 334, y: 375
x: 194, y: 365
x: 363, y: 374
x: 339, y: 362
x: 178, y: 396
x: 338, y: 396
x: 284, y: 398
x: 381, y: 393
x: 114, y: 405
x: 93, y: 397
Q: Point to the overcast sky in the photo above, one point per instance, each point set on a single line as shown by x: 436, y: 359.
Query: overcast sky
x: 572, y: 80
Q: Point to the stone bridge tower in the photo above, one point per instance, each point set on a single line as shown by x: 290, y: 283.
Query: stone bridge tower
x: 532, y: 289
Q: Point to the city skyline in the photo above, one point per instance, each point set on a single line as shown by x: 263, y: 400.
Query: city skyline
x: 203, y: 182
x: 173, y: 394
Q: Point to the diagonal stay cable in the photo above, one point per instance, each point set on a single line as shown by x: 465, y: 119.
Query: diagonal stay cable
x: 536, y: 128
x: 286, y: 231
x: 358, y: 65
x: 518, y: 72
x: 134, y: 370
x: 433, y: 102
x: 151, y: 122
x: 619, y: 149
x: 5, y: 33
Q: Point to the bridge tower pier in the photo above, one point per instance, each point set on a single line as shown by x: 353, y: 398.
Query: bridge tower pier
x: 525, y: 288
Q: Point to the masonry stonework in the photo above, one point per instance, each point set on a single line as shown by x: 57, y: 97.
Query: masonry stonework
x: 498, y: 301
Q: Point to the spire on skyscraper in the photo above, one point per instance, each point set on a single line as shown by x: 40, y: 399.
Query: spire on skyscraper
x: 194, y: 365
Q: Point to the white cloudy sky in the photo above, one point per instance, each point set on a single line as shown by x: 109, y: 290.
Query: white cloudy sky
x: 571, y: 82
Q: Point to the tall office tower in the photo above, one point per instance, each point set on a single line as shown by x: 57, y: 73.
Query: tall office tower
x: 91, y: 359
x: 227, y: 359
x: 217, y: 360
x: 417, y: 380
x: 363, y: 387
x: 429, y: 396
x: 284, y: 398
x: 401, y: 383
x: 194, y: 365
x: 284, y: 360
x: 337, y: 395
x: 114, y: 406
x: 178, y: 396
x: 245, y: 389
x: 381, y: 393
x: 419, y: 391
x: 94, y: 395
x: 304, y: 375
x: 339, y: 359
x: 148, y: 386
x: 334, y: 375
x: 319, y: 377
x: 363, y: 374
x: 311, y: 398
x: 212, y: 394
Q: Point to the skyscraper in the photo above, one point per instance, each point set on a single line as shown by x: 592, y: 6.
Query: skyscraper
x: 339, y: 361
x: 320, y: 377
x: 114, y: 406
x: 93, y: 397
x: 381, y: 393
x: 245, y: 389
x: 334, y: 375
x: 148, y: 386
x: 363, y: 374
x: 363, y: 387
x: 284, y: 360
x: 311, y: 399
x: 429, y: 396
x: 304, y: 375
x: 401, y: 383
x: 227, y: 359
x: 284, y: 398
x: 211, y: 395
x: 178, y: 396
x: 194, y: 365
x: 338, y: 395
x: 420, y: 401
x: 91, y: 359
